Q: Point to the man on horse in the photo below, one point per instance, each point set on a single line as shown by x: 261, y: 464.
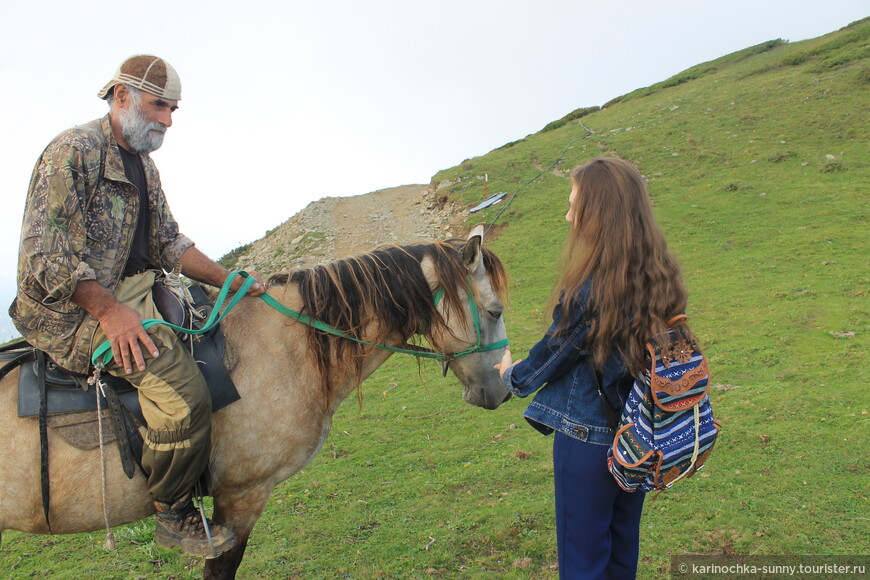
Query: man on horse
x: 97, y: 232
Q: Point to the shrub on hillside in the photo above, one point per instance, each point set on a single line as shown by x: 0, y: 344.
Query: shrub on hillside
x: 833, y: 166
x: 575, y: 114
x: 230, y: 259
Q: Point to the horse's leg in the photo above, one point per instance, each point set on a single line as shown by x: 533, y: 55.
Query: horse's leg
x: 224, y: 567
x: 239, y: 512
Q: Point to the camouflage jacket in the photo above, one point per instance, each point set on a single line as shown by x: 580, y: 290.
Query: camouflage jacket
x: 79, y: 221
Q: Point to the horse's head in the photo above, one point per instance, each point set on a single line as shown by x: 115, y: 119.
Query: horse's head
x: 473, y: 328
x: 448, y: 291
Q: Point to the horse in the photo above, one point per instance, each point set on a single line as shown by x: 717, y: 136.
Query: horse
x: 291, y: 378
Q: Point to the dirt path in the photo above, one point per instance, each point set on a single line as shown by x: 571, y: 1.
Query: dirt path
x: 338, y: 227
x: 389, y: 216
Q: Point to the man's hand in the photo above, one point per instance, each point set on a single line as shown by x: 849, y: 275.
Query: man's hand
x: 505, y: 364
x: 256, y: 288
x: 196, y: 265
x: 121, y: 324
x: 123, y: 328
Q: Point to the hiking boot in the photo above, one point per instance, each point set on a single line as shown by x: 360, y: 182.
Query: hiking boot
x: 180, y: 524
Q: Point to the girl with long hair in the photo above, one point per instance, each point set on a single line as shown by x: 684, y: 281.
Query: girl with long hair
x: 619, y: 287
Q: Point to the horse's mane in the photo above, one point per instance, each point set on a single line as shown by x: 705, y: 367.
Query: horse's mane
x: 380, y: 294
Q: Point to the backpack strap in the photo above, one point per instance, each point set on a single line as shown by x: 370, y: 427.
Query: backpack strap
x: 677, y: 320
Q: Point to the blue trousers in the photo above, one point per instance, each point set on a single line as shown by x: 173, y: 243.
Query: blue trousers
x: 597, y: 523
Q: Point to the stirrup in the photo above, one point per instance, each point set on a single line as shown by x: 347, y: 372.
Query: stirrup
x: 197, y: 500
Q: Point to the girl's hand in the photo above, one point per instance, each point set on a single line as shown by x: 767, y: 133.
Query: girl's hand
x: 505, y: 364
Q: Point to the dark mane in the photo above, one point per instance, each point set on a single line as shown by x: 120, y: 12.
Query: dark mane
x: 378, y: 295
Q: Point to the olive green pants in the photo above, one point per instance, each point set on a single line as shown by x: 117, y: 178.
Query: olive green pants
x: 175, y: 400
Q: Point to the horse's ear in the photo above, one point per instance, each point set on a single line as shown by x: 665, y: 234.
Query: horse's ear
x: 471, y: 249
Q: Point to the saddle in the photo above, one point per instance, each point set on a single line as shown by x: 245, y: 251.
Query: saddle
x: 60, y: 398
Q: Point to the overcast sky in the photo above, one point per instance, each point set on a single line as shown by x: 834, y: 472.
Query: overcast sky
x: 285, y: 102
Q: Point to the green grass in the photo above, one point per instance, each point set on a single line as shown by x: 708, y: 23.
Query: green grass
x: 758, y: 165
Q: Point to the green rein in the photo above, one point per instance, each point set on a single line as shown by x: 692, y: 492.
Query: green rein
x: 103, y: 354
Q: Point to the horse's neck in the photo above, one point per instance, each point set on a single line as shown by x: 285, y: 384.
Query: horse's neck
x: 263, y: 342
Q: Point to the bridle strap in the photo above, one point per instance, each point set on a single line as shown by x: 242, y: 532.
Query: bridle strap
x: 103, y: 354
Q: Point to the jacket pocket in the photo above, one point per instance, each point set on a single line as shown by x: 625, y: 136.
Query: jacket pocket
x: 56, y: 325
x: 103, y: 218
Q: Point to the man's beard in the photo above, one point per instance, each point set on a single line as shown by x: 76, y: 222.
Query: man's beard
x: 142, y: 135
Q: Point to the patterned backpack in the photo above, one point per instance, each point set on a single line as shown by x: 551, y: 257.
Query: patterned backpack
x: 667, y: 429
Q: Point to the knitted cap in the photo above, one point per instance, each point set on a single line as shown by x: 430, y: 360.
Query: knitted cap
x: 149, y: 73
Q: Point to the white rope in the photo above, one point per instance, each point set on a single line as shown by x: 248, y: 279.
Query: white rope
x: 172, y: 282
x: 98, y: 389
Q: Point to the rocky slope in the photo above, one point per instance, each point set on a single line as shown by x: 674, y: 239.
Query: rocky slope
x: 338, y: 227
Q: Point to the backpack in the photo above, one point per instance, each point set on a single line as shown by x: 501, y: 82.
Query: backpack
x: 666, y: 431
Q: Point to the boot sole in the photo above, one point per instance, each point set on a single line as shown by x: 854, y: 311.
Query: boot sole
x: 199, y: 552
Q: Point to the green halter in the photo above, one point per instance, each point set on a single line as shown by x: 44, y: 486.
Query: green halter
x: 103, y: 353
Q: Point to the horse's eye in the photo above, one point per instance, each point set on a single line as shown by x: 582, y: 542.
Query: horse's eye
x: 496, y: 314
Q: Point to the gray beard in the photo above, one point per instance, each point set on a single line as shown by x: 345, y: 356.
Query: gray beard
x: 142, y: 136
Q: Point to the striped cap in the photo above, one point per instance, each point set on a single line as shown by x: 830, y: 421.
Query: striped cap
x: 149, y: 73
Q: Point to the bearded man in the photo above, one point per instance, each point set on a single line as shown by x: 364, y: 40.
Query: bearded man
x: 97, y: 231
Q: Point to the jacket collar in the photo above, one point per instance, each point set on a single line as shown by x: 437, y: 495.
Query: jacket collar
x: 114, y: 166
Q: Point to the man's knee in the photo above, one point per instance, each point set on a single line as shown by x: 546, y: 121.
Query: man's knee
x: 173, y: 383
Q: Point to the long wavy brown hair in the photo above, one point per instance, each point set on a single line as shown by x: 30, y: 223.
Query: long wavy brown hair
x: 379, y: 295
x: 616, y: 246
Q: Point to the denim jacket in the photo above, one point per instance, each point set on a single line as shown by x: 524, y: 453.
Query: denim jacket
x: 559, y: 369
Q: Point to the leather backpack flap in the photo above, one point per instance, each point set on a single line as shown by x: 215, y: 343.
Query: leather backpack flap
x: 679, y: 376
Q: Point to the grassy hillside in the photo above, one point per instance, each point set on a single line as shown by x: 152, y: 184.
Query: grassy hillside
x: 758, y: 164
